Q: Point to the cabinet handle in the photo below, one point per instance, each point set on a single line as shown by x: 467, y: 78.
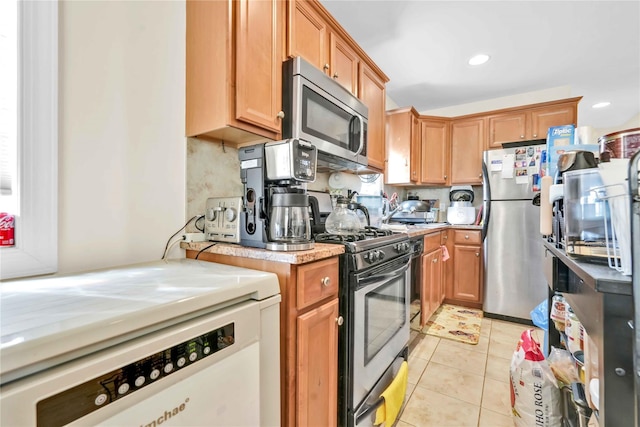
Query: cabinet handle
x: 435, y: 260
x: 477, y: 254
x: 445, y: 177
x: 326, y: 66
x: 280, y: 115
x: 326, y: 281
x: 335, y: 75
x: 535, y: 135
x: 466, y: 236
x: 339, y: 320
x: 522, y: 136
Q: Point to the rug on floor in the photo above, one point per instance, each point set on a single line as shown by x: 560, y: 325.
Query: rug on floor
x: 455, y: 323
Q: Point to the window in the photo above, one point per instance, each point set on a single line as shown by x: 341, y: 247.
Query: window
x: 29, y: 135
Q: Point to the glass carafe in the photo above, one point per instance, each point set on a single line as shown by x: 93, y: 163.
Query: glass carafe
x: 342, y: 220
x: 289, y: 220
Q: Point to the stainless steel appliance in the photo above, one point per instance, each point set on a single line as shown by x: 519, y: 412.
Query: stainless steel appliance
x: 222, y: 219
x: 415, y: 211
x: 320, y: 111
x: 514, y: 283
x: 374, y: 303
x: 181, y: 341
x: 275, y: 212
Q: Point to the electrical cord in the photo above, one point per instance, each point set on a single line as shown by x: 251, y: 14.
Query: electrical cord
x: 171, y: 246
x: 196, y: 224
x: 205, y: 248
x: 166, y: 248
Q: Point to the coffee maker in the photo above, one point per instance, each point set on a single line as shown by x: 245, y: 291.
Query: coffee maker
x: 275, y: 212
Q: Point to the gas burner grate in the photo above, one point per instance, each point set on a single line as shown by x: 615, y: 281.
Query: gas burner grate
x: 366, y: 234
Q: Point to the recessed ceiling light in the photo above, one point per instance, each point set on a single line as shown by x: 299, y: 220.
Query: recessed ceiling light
x: 479, y: 59
x: 601, y: 104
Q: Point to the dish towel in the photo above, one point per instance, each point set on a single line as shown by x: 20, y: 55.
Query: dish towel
x: 393, y: 398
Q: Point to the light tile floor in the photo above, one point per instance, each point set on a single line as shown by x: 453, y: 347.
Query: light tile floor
x: 461, y: 385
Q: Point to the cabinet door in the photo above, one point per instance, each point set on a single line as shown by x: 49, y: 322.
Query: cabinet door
x: 437, y: 290
x: 317, y: 366
x: 259, y: 33
x: 371, y: 91
x: 399, y: 133
x: 434, y: 161
x: 425, y: 290
x: 544, y: 118
x: 343, y: 63
x: 467, y: 273
x: 467, y: 144
x: 507, y: 127
x: 414, y: 158
x: 307, y: 35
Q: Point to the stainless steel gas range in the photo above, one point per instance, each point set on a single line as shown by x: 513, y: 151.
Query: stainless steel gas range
x: 374, y: 302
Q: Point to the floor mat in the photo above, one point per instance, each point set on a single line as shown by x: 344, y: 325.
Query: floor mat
x: 454, y: 323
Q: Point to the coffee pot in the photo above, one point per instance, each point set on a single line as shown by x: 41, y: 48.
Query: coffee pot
x: 289, y: 218
x: 343, y: 219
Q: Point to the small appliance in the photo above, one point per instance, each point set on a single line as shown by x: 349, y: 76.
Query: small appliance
x: 461, y: 210
x: 222, y: 219
x: 275, y: 212
x: 343, y: 220
x: 415, y: 211
x: 320, y: 111
x: 586, y: 218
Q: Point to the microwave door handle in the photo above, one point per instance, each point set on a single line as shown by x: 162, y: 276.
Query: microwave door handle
x: 361, y: 146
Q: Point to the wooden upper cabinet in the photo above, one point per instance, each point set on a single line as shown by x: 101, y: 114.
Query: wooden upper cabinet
x: 467, y: 145
x: 434, y: 151
x: 259, y: 33
x: 555, y: 115
x: 530, y: 122
x: 507, y: 127
x: 343, y: 64
x: 307, y: 35
x: 371, y: 90
x: 415, y: 151
x: 234, y: 90
x: 400, y: 131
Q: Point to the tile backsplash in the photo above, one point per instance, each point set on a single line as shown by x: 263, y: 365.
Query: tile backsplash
x: 213, y: 170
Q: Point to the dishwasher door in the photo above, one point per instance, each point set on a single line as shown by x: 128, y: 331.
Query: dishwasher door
x: 219, y: 369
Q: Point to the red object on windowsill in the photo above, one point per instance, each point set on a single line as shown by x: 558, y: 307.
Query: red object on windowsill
x: 7, y: 229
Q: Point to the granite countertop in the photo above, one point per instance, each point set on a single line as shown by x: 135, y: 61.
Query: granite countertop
x: 414, y: 230
x: 320, y: 251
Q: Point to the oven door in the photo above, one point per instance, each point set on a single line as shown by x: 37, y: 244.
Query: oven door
x: 381, y: 322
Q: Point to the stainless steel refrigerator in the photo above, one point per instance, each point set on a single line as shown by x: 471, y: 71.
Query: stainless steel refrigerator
x: 514, y: 282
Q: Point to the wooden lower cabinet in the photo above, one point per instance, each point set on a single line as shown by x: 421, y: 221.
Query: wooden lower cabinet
x: 464, y: 284
x: 432, y: 289
x: 317, y: 368
x: 308, y: 336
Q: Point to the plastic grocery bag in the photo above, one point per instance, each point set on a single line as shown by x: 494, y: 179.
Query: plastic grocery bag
x: 535, y: 395
x: 540, y: 318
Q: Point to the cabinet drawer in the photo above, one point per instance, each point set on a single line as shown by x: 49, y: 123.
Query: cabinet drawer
x: 317, y: 281
x: 432, y: 242
x: 471, y: 237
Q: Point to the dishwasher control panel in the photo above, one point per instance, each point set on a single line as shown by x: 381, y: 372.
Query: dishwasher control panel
x: 109, y: 387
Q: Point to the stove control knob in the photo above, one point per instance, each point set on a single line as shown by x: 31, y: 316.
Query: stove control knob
x: 372, y: 257
x: 380, y: 255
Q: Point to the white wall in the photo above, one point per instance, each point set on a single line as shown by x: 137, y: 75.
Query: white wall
x: 122, y: 145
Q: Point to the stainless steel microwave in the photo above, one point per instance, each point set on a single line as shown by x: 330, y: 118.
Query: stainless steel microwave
x: 320, y: 111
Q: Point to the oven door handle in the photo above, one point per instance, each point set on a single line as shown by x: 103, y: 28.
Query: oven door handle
x: 376, y: 277
x: 369, y: 409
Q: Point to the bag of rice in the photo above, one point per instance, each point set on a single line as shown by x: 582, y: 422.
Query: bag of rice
x: 535, y: 396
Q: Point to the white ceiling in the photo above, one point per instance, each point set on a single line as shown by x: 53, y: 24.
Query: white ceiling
x: 591, y: 47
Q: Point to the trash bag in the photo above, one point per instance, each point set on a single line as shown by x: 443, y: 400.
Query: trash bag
x: 540, y: 318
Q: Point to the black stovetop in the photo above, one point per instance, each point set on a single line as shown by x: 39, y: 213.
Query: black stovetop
x: 368, y: 238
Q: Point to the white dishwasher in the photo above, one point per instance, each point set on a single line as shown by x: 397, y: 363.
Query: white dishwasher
x: 171, y: 343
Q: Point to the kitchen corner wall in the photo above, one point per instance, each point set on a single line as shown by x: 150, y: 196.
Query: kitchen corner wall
x: 213, y: 170
x: 122, y: 148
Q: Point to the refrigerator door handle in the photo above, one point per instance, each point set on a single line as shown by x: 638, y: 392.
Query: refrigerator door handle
x: 486, y: 201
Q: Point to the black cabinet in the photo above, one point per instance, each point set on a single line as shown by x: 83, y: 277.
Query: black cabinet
x: 602, y: 300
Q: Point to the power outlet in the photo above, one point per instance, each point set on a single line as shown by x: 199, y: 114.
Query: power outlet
x: 193, y: 237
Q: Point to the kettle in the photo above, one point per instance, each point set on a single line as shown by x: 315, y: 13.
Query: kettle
x: 343, y: 219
